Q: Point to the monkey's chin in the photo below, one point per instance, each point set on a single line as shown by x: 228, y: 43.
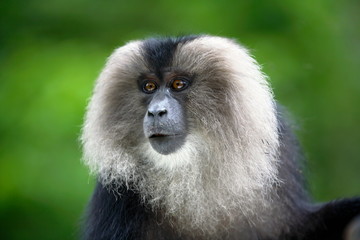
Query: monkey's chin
x: 166, y: 144
x: 185, y: 152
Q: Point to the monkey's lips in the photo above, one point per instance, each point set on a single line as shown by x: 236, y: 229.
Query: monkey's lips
x: 165, y: 143
x: 162, y: 135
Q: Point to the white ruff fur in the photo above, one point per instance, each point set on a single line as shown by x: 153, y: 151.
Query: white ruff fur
x: 225, y: 171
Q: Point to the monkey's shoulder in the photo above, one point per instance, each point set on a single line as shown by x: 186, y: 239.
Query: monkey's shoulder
x: 121, y: 214
x: 330, y: 221
x: 113, y: 215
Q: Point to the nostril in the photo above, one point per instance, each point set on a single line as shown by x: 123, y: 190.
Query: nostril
x: 150, y: 114
x: 162, y: 112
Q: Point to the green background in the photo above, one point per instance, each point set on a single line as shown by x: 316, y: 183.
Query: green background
x: 52, y: 51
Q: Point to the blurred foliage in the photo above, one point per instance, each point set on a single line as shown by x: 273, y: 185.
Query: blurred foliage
x: 52, y: 51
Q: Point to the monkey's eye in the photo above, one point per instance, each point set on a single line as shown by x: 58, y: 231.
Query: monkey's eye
x: 149, y: 87
x: 179, y: 84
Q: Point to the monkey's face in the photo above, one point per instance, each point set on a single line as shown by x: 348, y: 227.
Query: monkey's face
x: 165, y: 122
x: 181, y: 84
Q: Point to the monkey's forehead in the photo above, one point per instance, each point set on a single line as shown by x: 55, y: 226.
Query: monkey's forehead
x: 188, y: 53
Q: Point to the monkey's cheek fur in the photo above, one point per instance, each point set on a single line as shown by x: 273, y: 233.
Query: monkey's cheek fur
x: 167, y: 144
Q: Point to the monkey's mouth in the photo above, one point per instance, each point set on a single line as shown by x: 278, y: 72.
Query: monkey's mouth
x: 161, y: 135
x: 166, y: 143
x: 156, y: 135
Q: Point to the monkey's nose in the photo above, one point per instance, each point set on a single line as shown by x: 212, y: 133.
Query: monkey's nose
x: 157, y: 112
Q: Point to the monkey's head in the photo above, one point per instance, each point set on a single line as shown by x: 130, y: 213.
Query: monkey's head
x: 181, y: 118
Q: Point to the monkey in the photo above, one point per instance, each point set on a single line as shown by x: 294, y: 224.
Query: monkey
x: 187, y: 141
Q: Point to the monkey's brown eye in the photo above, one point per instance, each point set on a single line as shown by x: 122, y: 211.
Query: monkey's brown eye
x: 149, y: 87
x: 179, y: 84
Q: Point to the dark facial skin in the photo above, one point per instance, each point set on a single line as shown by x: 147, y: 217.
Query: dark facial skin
x: 165, y: 122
